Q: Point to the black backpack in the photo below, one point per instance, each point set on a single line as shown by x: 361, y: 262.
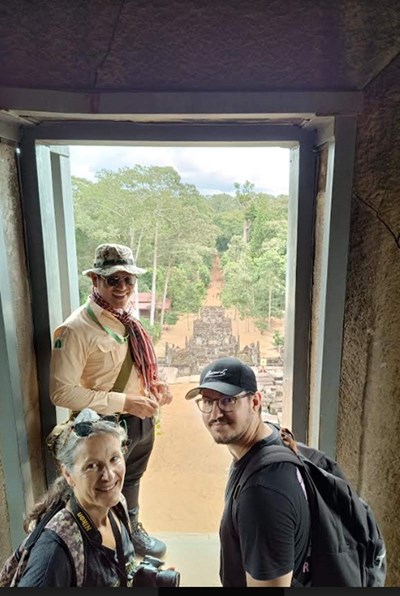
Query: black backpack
x: 347, y: 548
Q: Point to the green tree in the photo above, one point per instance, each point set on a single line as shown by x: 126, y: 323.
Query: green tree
x: 238, y: 281
x: 269, y: 220
x: 269, y: 273
x: 278, y: 342
x: 166, y: 223
x: 254, y: 266
x: 246, y: 196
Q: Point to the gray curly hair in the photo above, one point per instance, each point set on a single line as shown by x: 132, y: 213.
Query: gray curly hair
x: 63, y: 442
x: 69, y: 441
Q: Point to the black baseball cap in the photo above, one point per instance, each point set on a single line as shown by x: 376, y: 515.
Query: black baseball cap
x: 226, y: 375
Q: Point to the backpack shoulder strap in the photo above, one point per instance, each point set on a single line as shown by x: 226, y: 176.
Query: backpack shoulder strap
x: 64, y: 525
x: 15, y: 565
x: 31, y: 539
x: 267, y: 455
x: 270, y: 454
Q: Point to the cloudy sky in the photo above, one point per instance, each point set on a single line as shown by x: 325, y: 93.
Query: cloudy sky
x: 210, y: 169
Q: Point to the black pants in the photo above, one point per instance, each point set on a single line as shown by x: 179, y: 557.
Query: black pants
x: 141, y: 433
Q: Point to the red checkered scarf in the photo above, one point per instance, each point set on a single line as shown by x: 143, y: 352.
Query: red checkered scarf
x: 141, y: 344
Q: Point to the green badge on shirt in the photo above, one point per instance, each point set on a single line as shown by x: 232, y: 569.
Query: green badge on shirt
x: 59, y: 338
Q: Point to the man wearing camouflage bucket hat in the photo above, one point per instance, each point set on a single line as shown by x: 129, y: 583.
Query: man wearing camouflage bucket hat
x: 104, y: 359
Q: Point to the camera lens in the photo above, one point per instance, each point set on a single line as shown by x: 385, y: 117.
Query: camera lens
x: 168, y: 579
x: 149, y: 576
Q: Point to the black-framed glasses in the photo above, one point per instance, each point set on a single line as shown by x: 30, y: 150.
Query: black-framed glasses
x: 115, y: 280
x: 226, y: 403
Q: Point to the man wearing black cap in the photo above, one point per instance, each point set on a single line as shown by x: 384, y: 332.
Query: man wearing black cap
x: 104, y: 359
x: 267, y: 542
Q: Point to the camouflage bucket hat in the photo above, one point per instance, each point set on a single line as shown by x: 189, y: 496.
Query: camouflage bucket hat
x: 111, y: 258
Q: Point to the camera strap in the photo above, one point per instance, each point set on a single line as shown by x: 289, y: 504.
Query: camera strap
x: 93, y: 535
x: 120, y: 550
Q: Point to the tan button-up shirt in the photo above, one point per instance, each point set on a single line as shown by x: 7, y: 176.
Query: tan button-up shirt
x: 86, y: 362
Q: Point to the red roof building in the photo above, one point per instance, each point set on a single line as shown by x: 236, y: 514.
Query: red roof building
x: 145, y: 303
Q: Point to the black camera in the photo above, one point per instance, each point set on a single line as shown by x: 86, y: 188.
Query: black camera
x: 149, y: 574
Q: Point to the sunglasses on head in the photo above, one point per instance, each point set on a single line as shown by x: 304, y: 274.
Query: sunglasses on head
x: 115, y: 280
x: 85, y: 427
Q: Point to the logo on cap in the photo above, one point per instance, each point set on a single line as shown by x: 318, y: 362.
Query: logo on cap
x: 216, y: 373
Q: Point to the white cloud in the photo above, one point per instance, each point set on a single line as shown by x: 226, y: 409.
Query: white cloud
x: 210, y: 169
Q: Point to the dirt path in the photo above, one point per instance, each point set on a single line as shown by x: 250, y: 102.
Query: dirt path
x: 182, y: 490
x: 248, y: 333
x: 183, y: 487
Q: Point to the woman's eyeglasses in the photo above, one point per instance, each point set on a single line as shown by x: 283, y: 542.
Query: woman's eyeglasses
x: 115, y: 280
x: 226, y: 403
x: 85, y: 427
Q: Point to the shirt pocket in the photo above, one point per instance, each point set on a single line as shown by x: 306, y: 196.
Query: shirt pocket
x: 108, y: 351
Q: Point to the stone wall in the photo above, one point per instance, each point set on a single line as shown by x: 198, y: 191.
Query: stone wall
x: 369, y: 409
x: 17, y: 270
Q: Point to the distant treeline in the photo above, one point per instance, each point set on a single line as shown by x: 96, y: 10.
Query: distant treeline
x: 175, y: 232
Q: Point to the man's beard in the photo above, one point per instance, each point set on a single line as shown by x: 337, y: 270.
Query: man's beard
x: 226, y: 438
x: 222, y: 440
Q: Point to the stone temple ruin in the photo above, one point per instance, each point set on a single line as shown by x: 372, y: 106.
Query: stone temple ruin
x: 270, y: 383
x: 213, y: 338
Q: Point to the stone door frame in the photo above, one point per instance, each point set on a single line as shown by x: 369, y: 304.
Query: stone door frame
x: 301, y: 121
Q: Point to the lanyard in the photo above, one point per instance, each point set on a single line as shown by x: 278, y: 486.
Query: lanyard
x: 118, y: 338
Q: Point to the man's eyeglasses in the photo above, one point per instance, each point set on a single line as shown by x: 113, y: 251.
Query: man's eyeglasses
x: 226, y: 403
x: 115, y: 280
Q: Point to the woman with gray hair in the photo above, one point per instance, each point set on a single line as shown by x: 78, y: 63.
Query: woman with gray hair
x: 87, y: 541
